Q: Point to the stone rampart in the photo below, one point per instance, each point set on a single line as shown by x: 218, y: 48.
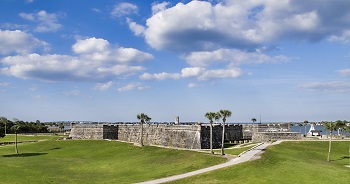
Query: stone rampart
x: 192, y: 136
x: 94, y: 132
x: 270, y: 136
x: 180, y: 136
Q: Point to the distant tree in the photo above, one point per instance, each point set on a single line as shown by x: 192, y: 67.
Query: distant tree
x: 3, y: 120
x: 341, y: 125
x: 305, y: 123
x: 16, y: 128
x: 61, y: 127
x: 224, y: 114
x: 211, y: 116
x: 143, y: 118
x: 253, y: 120
x: 331, y: 126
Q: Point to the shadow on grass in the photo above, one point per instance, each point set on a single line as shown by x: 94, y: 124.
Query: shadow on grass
x: 56, y: 148
x: 229, y: 145
x: 24, y: 155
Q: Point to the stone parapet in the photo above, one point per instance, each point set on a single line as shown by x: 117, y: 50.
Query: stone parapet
x: 270, y: 136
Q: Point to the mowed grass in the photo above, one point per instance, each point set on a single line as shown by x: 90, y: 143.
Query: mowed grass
x: 11, y: 137
x: 288, y: 162
x: 95, y: 161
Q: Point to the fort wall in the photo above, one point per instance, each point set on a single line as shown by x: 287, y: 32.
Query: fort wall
x: 194, y: 136
x: 270, y: 136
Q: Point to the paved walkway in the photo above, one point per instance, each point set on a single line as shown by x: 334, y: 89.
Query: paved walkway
x: 243, y: 158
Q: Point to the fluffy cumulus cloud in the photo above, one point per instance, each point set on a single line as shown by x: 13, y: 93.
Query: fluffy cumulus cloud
x: 158, y: 7
x: 96, y: 60
x: 195, y: 72
x: 124, y: 9
x: 101, y: 50
x: 18, y: 42
x: 201, y: 25
x: 137, y: 29
x: 334, y: 86
x: 47, y: 22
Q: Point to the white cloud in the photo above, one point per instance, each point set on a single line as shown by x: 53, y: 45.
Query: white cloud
x: 63, y: 68
x: 223, y: 73
x: 160, y: 76
x: 345, y: 72
x: 99, y: 62
x: 201, y: 25
x: 192, y: 85
x: 96, y: 10
x: 101, y: 50
x: 192, y: 72
x: 334, y: 86
x: 132, y: 86
x: 232, y: 56
x: 158, y: 7
x: 48, y: 22
x: 90, y: 45
x: 18, y: 42
x: 195, y: 72
x: 137, y: 29
x: 103, y: 86
x: 123, y: 9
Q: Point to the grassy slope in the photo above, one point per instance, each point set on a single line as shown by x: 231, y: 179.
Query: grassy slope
x: 289, y: 162
x: 11, y: 137
x: 95, y: 161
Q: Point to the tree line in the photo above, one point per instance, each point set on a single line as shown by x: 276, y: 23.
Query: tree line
x: 18, y: 126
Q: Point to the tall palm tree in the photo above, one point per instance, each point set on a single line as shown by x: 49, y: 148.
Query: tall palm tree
x: 211, y: 116
x: 340, y: 125
x: 143, y: 118
x: 15, y: 128
x: 224, y: 114
x: 331, y: 126
x: 305, y: 123
x: 300, y: 125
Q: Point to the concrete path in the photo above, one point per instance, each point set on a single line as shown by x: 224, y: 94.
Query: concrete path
x: 242, y: 158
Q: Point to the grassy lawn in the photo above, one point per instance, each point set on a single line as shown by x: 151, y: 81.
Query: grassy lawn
x: 95, y: 161
x: 11, y: 137
x: 288, y: 162
x: 235, y: 150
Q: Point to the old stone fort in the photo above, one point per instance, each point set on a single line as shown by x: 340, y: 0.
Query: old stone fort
x: 186, y: 135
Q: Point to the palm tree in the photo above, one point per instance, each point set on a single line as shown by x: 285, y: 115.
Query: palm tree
x: 143, y: 118
x: 300, y: 125
x: 305, y: 123
x: 224, y: 114
x: 253, y: 120
x: 15, y: 128
x: 340, y: 125
x: 211, y: 116
x: 331, y: 126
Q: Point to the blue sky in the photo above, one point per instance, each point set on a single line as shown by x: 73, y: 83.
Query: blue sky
x: 286, y: 60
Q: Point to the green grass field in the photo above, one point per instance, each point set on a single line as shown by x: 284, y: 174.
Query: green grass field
x: 95, y: 161
x: 11, y: 137
x: 288, y: 162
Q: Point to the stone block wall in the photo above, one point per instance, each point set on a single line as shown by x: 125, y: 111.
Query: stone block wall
x: 269, y: 136
x: 194, y: 136
x: 94, y: 132
x: 180, y: 136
